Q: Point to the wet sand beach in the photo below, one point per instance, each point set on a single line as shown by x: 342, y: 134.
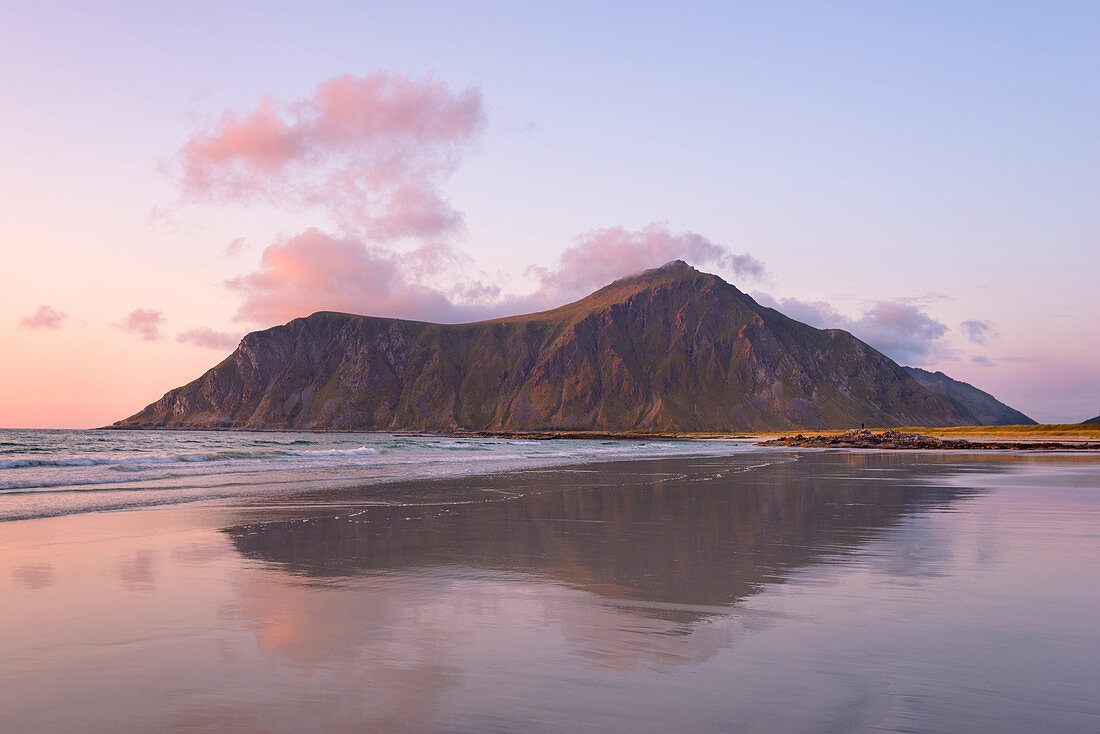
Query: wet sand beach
x: 766, y: 590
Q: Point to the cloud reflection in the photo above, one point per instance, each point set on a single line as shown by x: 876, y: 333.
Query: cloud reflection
x: 630, y: 565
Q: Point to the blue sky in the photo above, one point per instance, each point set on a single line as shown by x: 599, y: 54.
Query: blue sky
x: 940, y: 156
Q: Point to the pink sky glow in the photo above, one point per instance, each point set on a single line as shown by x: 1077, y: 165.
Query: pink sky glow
x: 922, y: 176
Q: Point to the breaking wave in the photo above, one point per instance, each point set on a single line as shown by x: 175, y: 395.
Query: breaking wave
x: 138, y: 461
x: 60, y: 472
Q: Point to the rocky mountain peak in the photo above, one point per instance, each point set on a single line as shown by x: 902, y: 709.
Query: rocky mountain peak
x: 670, y: 348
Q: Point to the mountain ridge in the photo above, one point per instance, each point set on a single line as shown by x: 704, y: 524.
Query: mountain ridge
x: 666, y: 349
x: 982, y: 405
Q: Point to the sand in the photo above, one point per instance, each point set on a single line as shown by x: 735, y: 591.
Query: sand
x: 775, y: 590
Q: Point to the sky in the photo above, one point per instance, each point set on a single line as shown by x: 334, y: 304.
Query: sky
x: 925, y: 175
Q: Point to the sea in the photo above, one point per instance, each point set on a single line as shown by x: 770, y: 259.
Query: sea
x: 58, y: 472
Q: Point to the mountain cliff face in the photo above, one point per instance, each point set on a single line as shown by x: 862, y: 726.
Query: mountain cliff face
x: 668, y: 349
x: 1092, y: 420
x: 987, y: 409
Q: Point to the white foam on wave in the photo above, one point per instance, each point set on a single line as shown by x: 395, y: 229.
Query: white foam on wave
x: 274, y: 457
x: 361, y: 451
x: 248, y: 468
x: 28, y: 463
x: 120, y: 461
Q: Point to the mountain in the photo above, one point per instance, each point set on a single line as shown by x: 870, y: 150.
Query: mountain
x: 667, y: 349
x: 1092, y: 420
x: 984, y: 407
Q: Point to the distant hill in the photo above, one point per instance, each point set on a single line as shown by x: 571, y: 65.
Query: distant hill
x: 1092, y: 420
x: 667, y: 349
x: 987, y: 409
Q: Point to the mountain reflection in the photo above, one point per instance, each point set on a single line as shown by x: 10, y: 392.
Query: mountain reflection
x: 505, y: 596
x: 670, y: 538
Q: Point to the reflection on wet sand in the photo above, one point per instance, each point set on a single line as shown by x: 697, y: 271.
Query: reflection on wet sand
x: 766, y: 591
x: 33, y: 575
x: 674, y: 538
x: 604, y: 584
x: 632, y: 567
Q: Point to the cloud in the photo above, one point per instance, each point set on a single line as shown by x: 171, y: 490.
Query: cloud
x: 145, y: 322
x: 601, y: 256
x: 315, y: 271
x: 236, y: 247
x: 46, y: 317
x: 815, y: 313
x: 977, y: 332
x: 900, y: 329
x: 204, y: 336
x: 372, y: 150
x: 987, y: 361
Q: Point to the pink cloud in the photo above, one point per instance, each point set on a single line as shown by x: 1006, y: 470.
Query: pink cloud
x: 145, y: 322
x: 373, y: 150
x: 204, y: 336
x: 46, y: 317
x: 314, y: 271
x: 601, y: 256
x: 236, y: 247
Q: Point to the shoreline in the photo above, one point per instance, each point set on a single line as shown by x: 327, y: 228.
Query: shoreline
x: 1070, y: 432
x: 336, y: 498
x: 225, y: 469
x: 331, y: 489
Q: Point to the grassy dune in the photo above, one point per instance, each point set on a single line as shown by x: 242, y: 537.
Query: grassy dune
x: 1045, y: 430
x: 1052, y: 431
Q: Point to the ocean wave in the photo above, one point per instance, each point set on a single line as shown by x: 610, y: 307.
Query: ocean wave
x: 135, y: 463
x: 27, y: 463
x: 171, y: 466
x: 122, y: 461
x: 131, y: 463
x: 361, y: 451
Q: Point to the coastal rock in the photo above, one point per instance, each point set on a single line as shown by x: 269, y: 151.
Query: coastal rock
x: 671, y: 349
